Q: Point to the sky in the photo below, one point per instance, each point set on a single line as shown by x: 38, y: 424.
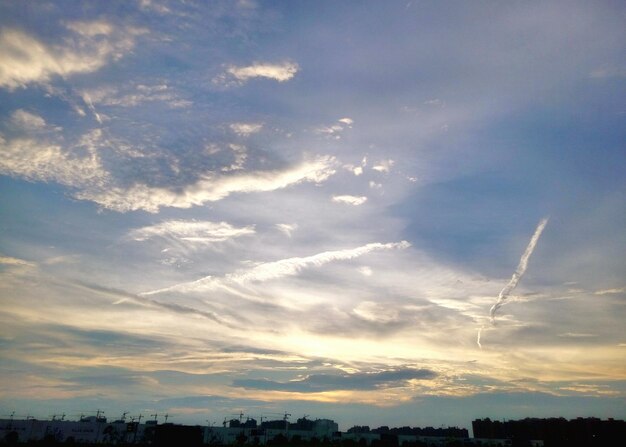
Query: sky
x: 313, y: 208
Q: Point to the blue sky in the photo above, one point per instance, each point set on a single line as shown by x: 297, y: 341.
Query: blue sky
x: 311, y: 207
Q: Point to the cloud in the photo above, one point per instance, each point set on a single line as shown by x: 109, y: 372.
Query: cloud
x: 383, y: 165
x: 610, y: 291
x: 577, y: 335
x: 316, y: 383
x: 135, y: 95
x: 608, y: 72
x: 154, y: 6
x: 350, y: 200
x: 91, y: 29
x: 80, y: 166
x: 356, y: 169
x: 288, y: 229
x: 176, y: 308
x: 210, y: 188
x: 45, y: 161
x: 284, y: 267
x: 434, y: 102
x: 191, y: 232
x: 346, y: 121
x: 335, y: 129
x: 26, y: 60
x: 246, y: 129
x: 292, y: 266
x: 7, y: 260
x: 27, y: 121
x: 376, y: 312
x: 280, y: 72
x: 87, y: 100
x: 366, y: 271
x: 240, y: 154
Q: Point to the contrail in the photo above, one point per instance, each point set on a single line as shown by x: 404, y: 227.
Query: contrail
x: 519, y: 272
x: 172, y: 307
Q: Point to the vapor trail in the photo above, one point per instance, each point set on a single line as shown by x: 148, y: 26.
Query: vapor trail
x: 519, y: 272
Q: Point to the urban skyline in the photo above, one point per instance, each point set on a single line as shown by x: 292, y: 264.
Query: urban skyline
x: 385, y: 213
x: 527, y: 432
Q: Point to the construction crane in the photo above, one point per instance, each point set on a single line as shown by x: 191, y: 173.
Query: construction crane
x: 286, y: 419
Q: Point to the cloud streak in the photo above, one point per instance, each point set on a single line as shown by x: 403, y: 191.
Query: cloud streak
x: 316, y: 383
x: 191, y: 232
x: 280, y: 72
x: 278, y: 269
x: 210, y: 188
x: 350, y: 200
x: 171, y: 307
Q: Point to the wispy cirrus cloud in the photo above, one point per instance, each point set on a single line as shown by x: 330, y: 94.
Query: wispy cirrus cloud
x: 210, y: 188
x: 39, y: 160
x: 284, y: 267
x: 292, y: 266
x: 27, y: 121
x: 610, y: 291
x: 334, y: 130
x: 376, y: 312
x: 8, y: 260
x: 192, y: 232
x: 175, y: 308
x: 26, y: 59
x: 288, y: 229
x: 81, y: 167
x: 316, y: 383
x: 135, y: 95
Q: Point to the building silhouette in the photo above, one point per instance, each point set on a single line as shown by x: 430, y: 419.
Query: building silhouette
x: 529, y: 432
x: 554, y: 432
